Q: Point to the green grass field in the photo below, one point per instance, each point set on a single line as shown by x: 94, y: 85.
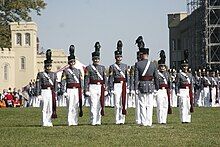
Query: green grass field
x: 22, y: 127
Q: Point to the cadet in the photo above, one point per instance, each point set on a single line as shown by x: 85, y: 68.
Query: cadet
x: 205, y: 89
x: 118, y: 82
x: 213, y: 88
x: 72, y: 84
x: 145, y: 84
x: 95, y: 86
x: 198, y: 88
x: 174, y: 102
x: 163, y: 94
x: 184, y: 85
x: 46, y: 85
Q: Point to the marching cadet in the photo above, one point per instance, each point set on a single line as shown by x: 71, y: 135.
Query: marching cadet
x: 131, y: 93
x: 163, y: 94
x: 118, y: 82
x: 95, y: 86
x: 46, y: 85
x: 184, y: 84
x: 205, y: 88
x: 174, y: 101
x: 72, y: 84
x: 145, y: 84
x: 140, y: 44
x: 213, y: 88
x: 198, y: 87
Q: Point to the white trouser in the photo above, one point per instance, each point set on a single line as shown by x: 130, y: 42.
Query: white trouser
x: 73, y: 106
x: 146, y: 101
x: 47, y: 107
x: 137, y: 110
x: 199, y: 98
x: 131, y: 100
x: 206, y: 96
x: 95, y: 106
x: 213, y: 93
x: 162, y: 106
x: 112, y: 100
x: 107, y: 100
x: 119, y: 117
x: 185, y: 115
x: 173, y: 100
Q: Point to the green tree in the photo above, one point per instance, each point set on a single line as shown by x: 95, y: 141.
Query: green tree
x: 15, y: 11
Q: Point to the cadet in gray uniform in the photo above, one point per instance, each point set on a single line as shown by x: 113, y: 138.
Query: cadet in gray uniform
x: 118, y: 82
x: 163, y: 94
x: 145, y: 84
x: 198, y: 88
x: 184, y: 86
x: 46, y: 87
x: 213, y: 88
x: 72, y: 84
x: 205, y: 88
x: 95, y: 86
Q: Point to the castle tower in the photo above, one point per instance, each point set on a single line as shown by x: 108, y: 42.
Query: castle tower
x: 24, y: 46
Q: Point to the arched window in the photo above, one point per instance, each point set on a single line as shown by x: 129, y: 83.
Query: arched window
x: 23, y: 62
x: 27, y: 39
x: 18, y: 39
x: 6, y: 71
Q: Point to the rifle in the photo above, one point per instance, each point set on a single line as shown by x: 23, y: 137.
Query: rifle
x: 169, y: 106
x: 54, y: 108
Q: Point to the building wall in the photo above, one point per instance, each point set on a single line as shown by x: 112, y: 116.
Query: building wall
x: 185, y: 34
x: 20, y: 73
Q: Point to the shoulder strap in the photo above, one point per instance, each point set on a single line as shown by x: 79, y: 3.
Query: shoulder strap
x: 186, y: 76
x: 97, y: 72
x: 47, y: 76
x: 74, y: 76
x: 119, y: 69
x: 164, y: 78
x: 146, y: 68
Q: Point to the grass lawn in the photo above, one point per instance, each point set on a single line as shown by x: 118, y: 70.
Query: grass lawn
x: 22, y: 127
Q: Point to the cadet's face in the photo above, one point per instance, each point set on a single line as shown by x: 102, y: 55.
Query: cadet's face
x: 72, y: 63
x: 95, y: 60
x: 185, y: 68
x: 162, y: 67
x: 48, y: 67
x: 118, y: 58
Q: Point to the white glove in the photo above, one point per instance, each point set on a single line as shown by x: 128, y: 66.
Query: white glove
x: 65, y: 94
x: 40, y: 97
x: 113, y: 92
x: 136, y: 92
x: 155, y: 93
x: 88, y: 93
x: 178, y: 94
x: 132, y: 92
x: 106, y: 93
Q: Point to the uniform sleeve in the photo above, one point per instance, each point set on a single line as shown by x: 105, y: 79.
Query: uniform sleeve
x: 127, y: 75
x: 55, y: 82
x: 86, y: 79
x: 105, y: 78
x: 38, y: 85
x: 63, y: 82
x: 110, y: 78
x: 81, y: 79
x: 156, y: 78
x: 131, y: 78
x: 177, y: 83
x: 136, y: 77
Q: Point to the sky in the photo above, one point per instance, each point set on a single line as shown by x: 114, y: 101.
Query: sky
x: 84, y: 22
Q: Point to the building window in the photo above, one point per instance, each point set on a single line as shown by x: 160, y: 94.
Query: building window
x: 27, y: 39
x: 173, y: 43
x: 18, y: 39
x: 6, y: 71
x: 23, y: 62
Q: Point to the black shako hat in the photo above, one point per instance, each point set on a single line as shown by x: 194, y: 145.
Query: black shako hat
x: 144, y: 50
x: 118, y: 52
x: 71, y: 52
x: 162, y: 58
x: 48, y: 60
x: 185, y: 60
x: 96, y: 53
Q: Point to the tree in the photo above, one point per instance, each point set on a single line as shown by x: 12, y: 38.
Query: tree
x: 15, y: 11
